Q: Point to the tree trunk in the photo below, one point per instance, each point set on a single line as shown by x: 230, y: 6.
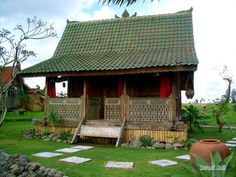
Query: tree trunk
x: 219, y: 123
x: 4, y: 107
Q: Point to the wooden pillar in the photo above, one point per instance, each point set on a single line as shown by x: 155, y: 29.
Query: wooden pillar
x: 84, y: 99
x: 125, y: 85
x: 178, y: 95
x: 46, y: 101
x: 173, y: 98
x: 125, y: 100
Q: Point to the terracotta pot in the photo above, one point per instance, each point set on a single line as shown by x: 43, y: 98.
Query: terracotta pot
x: 205, y: 147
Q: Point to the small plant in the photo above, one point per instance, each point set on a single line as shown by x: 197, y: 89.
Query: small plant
x: 218, y: 167
x: 65, y: 135
x: 46, y: 133
x: 192, y: 116
x: 188, y: 144
x: 54, y: 118
x: 145, y: 140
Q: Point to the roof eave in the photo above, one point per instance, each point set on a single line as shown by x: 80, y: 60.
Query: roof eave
x: 177, y: 68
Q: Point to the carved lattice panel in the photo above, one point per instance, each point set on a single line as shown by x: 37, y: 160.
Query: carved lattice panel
x: 67, y: 108
x: 145, y: 109
x: 112, y: 109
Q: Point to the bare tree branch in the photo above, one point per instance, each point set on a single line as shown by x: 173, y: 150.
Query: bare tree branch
x: 13, y: 52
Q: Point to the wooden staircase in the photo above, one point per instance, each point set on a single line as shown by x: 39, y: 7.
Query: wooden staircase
x: 99, y: 128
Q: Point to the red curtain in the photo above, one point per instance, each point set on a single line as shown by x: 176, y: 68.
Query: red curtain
x: 51, y: 88
x: 120, y: 87
x: 165, y: 85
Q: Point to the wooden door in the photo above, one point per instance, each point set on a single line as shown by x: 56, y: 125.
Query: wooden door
x: 94, y: 108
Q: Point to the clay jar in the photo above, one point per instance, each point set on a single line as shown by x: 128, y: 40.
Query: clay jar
x: 205, y: 147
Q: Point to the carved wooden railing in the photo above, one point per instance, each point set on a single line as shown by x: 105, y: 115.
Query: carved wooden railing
x: 149, y: 109
x: 67, y: 108
x: 112, y: 109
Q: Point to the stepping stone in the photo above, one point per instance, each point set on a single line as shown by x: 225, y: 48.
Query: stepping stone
x: 82, y: 147
x: 230, y: 145
x: 231, y: 142
x: 163, y: 163
x: 113, y: 164
x: 68, y: 150
x: 75, y: 160
x: 47, y: 154
x: 183, y: 157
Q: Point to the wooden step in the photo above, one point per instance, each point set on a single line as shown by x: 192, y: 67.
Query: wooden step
x: 103, y: 122
x: 100, y: 131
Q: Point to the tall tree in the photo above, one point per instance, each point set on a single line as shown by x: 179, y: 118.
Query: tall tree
x: 221, y: 107
x: 13, y: 52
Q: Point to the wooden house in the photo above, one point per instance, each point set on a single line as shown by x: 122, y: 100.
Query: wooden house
x: 35, y: 101
x: 14, y: 100
x: 125, y: 76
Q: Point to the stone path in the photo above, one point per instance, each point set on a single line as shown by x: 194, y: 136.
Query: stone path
x: 183, y: 157
x: 75, y: 159
x: 109, y: 164
x: 82, y: 147
x: 163, y: 162
x: 47, y: 154
x: 231, y: 143
x: 69, y: 150
x: 113, y: 164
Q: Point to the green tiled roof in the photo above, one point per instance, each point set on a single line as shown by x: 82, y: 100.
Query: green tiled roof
x: 121, y: 44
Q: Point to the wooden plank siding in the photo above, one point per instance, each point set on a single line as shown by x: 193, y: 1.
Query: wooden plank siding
x: 162, y: 135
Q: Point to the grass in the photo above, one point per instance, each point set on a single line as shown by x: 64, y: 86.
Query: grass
x: 206, y: 110
x: 12, y: 142
x: 15, y: 116
x: 212, y: 133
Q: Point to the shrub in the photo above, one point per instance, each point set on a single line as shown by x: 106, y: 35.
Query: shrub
x: 145, y: 140
x: 188, y: 144
x: 46, y: 133
x: 54, y: 118
x: 218, y: 167
x: 65, y: 135
x: 192, y: 116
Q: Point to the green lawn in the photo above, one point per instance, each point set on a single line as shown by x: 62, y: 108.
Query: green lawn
x: 12, y: 142
x: 206, y: 110
x: 212, y: 133
x: 15, y: 116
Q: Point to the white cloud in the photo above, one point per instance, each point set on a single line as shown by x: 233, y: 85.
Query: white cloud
x: 104, y: 13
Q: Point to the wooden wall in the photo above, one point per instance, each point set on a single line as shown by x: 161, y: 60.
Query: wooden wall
x: 145, y: 85
x: 162, y: 135
x: 75, y: 87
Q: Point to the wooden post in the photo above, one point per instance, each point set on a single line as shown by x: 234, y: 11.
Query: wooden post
x: 84, y: 98
x: 173, y: 99
x: 46, y: 101
x: 125, y: 85
x: 178, y: 95
x: 126, y: 100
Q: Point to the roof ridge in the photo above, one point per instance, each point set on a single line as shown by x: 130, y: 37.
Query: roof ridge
x: 183, y: 12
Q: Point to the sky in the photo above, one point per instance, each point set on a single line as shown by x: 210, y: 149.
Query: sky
x: 213, y: 23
